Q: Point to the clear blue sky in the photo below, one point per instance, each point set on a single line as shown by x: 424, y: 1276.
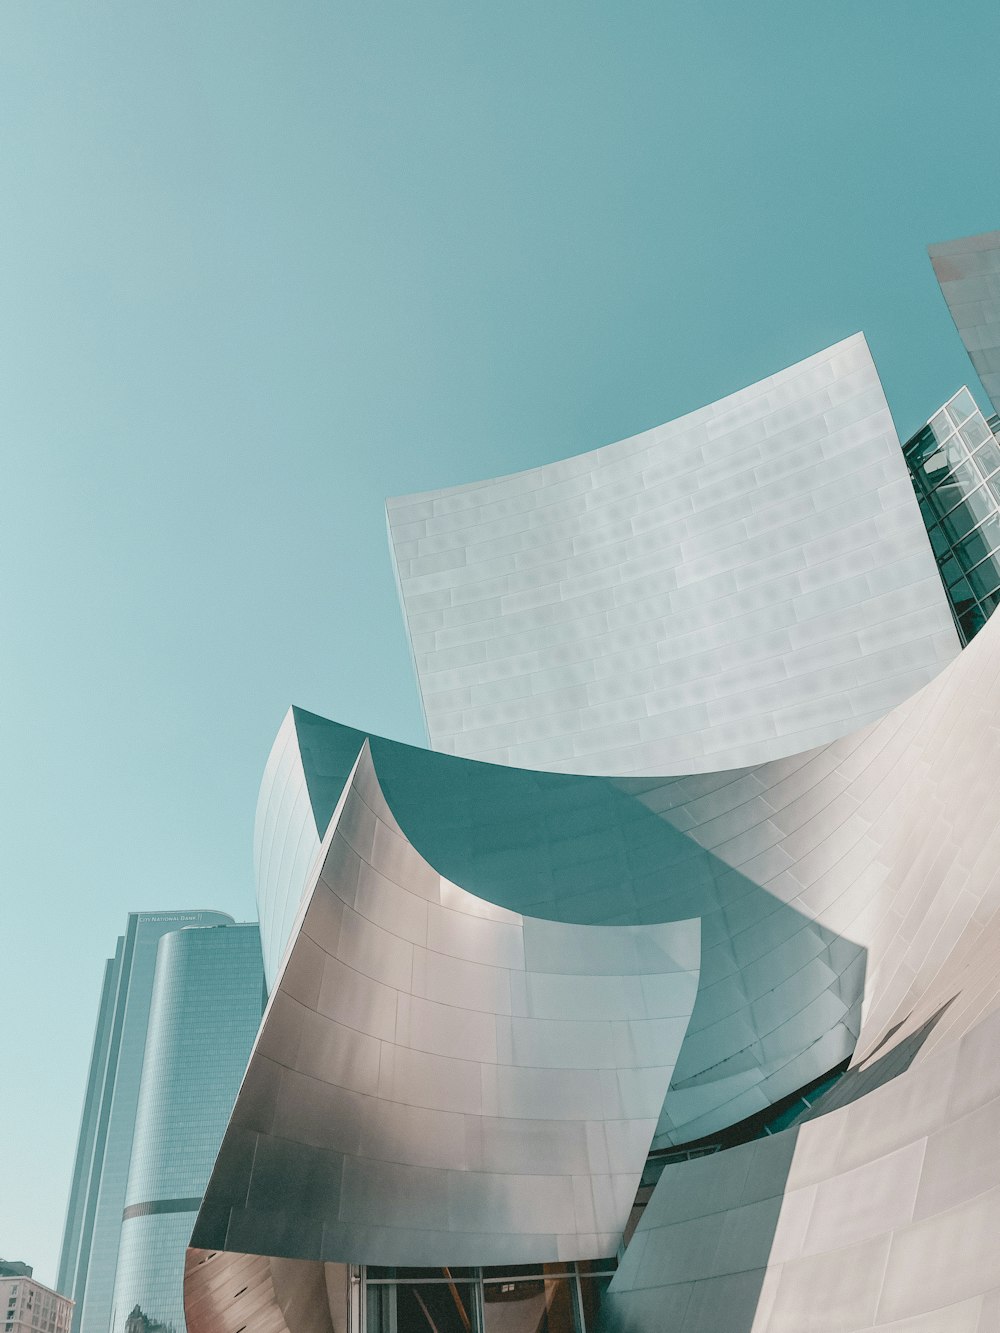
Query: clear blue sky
x: 263, y: 264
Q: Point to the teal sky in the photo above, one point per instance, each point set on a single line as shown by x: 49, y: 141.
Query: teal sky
x: 265, y: 264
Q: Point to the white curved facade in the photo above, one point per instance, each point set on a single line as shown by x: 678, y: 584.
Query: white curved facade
x: 801, y: 870
x: 779, y: 995
x: 767, y: 846
x: 443, y: 1077
x: 285, y: 845
x: 879, y: 1216
x: 743, y: 583
x: 968, y: 270
x: 881, y: 1212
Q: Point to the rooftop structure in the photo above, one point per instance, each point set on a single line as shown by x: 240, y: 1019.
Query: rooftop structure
x: 29, y: 1306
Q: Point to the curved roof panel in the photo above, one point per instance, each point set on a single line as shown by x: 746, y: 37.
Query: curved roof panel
x: 741, y: 584
x: 436, y: 1075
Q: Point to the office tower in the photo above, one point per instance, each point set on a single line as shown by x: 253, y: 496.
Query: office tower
x: 135, y: 1099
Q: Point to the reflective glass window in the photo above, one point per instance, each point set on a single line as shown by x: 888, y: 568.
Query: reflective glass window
x: 421, y: 1307
x: 988, y: 456
x: 981, y: 503
x: 972, y: 621
x: 980, y: 543
x: 930, y: 471
x: 958, y: 523
x: 525, y: 1270
x: 376, y: 1272
x: 962, y: 479
x: 542, y: 1305
x: 974, y: 432
x: 951, y: 571
x: 939, y: 542
x: 961, y: 406
x: 592, y: 1290
x: 985, y: 578
x: 962, y: 596
x: 940, y: 426
x: 922, y: 446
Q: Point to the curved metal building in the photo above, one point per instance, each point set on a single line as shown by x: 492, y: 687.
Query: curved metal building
x: 204, y: 1012
x: 586, y: 1021
x: 890, y: 842
x: 743, y: 583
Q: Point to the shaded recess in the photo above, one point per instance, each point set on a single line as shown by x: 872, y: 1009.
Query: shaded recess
x: 779, y: 996
x: 439, y: 1079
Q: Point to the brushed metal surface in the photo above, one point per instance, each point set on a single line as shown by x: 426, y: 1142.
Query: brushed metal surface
x: 706, y: 595
x: 380, y: 1124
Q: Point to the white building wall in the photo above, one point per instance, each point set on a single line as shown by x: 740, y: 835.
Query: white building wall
x: 741, y: 584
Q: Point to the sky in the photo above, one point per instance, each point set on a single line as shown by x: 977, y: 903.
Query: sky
x: 263, y: 265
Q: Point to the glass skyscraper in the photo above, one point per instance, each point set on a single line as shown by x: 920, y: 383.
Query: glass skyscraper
x: 162, y: 1082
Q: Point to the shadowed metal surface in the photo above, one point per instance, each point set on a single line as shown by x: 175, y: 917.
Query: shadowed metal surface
x: 230, y: 1293
x: 968, y: 270
x: 849, y: 889
x: 779, y: 998
x: 882, y: 1213
x: 743, y: 583
x: 878, y: 842
x: 440, y: 1079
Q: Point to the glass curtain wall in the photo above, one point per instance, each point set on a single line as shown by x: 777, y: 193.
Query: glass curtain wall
x: 954, y: 464
x: 523, y: 1298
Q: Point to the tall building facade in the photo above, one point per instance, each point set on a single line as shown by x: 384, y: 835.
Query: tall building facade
x: 159, y: 1090
x: 662, y: 993
x: 30, y: 1307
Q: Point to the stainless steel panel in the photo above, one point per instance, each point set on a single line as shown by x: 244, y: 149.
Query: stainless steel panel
x: 406, y: 1127
x: 801, y: 469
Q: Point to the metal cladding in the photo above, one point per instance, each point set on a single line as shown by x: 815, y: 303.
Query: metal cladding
x: 437, y: 1077
x: 969, y: 273
x: 498, y: 980
x: 884, y: 1209
x: 741, y: 584
x: 779, y: 995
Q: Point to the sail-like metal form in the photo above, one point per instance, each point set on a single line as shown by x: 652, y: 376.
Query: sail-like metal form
x: 881, y: 1208
x: 438, y: 1078
x: 710, y: 814
x: 969, y: 273
x: 738, y: 585
x: 780, y: 992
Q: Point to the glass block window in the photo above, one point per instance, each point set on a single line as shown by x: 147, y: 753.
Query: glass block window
x: 954, y: 464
